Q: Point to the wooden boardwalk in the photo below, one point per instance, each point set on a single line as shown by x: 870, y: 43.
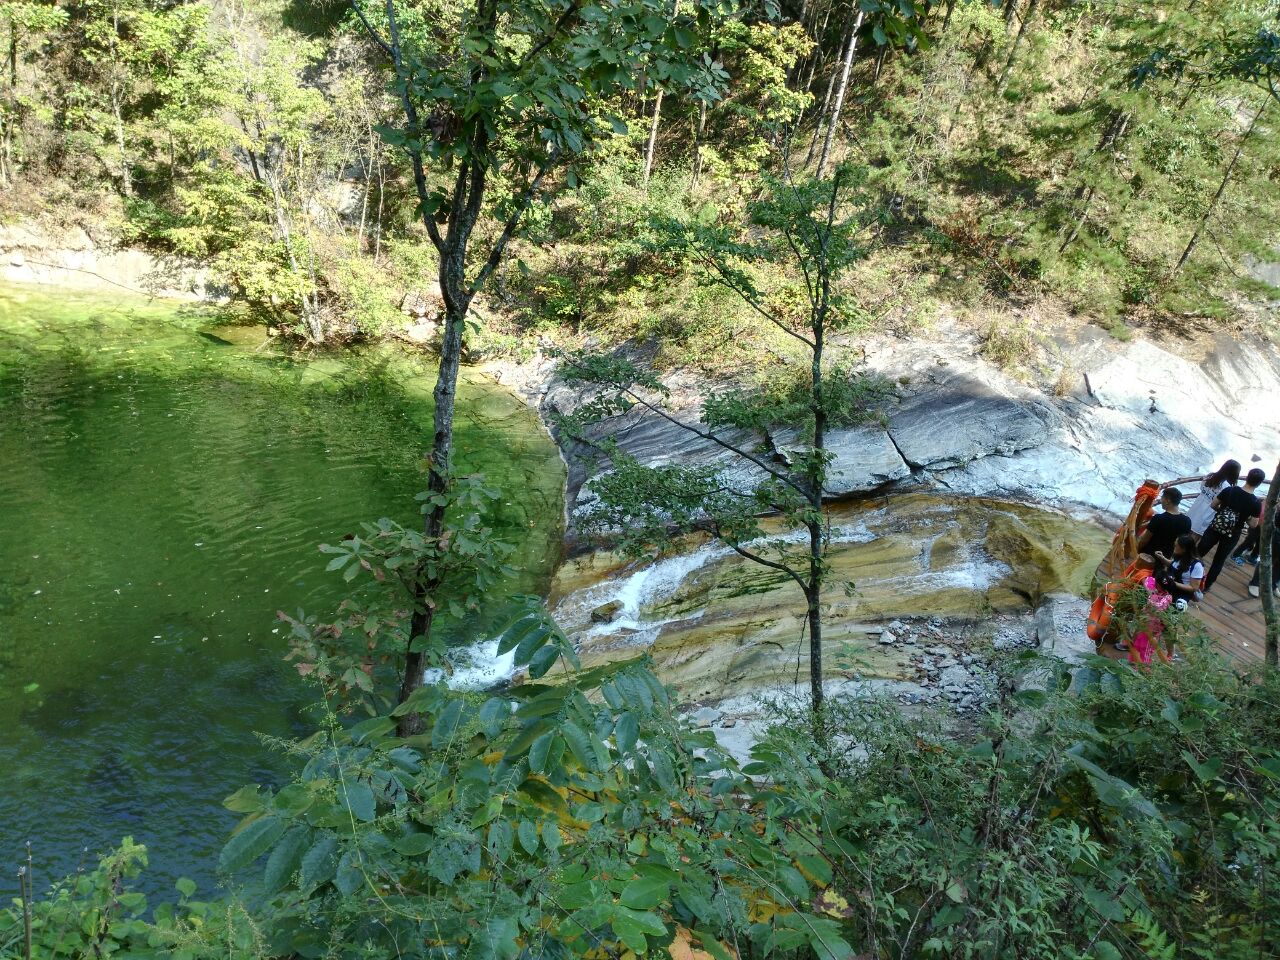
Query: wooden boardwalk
x: 1232, y: 617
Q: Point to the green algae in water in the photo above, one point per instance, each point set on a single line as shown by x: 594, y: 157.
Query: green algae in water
x: 164, y: 483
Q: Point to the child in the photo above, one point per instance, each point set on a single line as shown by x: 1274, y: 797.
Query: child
x: 1180, y: 575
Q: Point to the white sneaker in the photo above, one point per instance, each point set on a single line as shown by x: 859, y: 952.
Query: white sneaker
x: 1253, y: 590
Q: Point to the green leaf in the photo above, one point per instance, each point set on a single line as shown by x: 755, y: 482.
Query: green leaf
x: 286, y: 858
x: 1032, y: 699
x: 710, y: 943
x: 579, y: 744
x: 293, y: 800
x: 1106, y: 950
x: 185, y: 886
x: 643, y: 893
x: 493, y: 716
x: 540, y: 751
x: 825, y: 939
x: 1206, y: 771
x: 516, y: 632
x: 527, y: 833
x: 359, y: 800
x: 320, y: 862
x: 646, y: 922
x: 551, y: 836
x: 371, y: 730
x: 413, y: 844
x: 543, y: 661
x: 246, y: 800
x: 817, y: 868
x: 632, y: 937
x: 447, y: 724
x: 531, y: 643
x: 349, y: 877
x: 250, y: 843
x: 626, y: 732
x: 488, y: 812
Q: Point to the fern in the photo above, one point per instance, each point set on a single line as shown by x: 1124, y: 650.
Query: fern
x: 1153, y: 941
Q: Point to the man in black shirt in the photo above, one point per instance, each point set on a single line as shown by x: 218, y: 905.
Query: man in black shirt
x: 1236, y: 509
x: 1165, y: 528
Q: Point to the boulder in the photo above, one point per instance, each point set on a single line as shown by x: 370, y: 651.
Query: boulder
x: 607, y: 612
x: 425, y: 303
x: 706, y: 716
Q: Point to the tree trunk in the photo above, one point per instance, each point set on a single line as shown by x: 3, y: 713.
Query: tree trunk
x: 424, y: 608
x: 822, y: 116
x: 653, y: 136
x: 1266, y: 574
x: 1010, y: 8
x: 1084, y: 214
x: 814, y: 615
x: 1030, y: 15
x: 697, y: 141
x: 843, y: 87
x: 818, y: 469
x: 946, y: 21
x: 1222, y: 188
x: 126, y: 172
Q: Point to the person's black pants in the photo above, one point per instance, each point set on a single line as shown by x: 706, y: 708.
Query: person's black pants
x: 1275, y: 564
x: 1250, y: 546
x: 1224, y: 544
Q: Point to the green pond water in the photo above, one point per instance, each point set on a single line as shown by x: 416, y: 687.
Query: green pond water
x: 164, y: 483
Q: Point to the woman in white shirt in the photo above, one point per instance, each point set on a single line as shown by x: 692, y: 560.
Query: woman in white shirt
x: 1201, y: 511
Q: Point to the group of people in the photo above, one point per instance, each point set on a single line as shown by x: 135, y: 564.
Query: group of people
x: 1181, y: 543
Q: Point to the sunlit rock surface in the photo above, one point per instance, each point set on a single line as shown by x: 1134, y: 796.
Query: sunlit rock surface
x: 719, y: 626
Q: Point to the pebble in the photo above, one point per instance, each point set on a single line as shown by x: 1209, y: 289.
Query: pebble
x: 706, y: 716
x: 887, y: 638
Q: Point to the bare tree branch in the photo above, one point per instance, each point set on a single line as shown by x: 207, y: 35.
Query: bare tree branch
x: 756, y: 558
x: 719, y: 441
x: 509, y: 228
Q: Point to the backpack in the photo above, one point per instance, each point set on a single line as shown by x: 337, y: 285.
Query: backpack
x: 1226, y: 522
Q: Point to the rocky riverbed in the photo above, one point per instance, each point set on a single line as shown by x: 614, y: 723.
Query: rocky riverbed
x: 968, y: 524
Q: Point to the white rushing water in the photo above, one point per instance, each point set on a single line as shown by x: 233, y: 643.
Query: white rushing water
x: 642, y: 588
x: 477, y: 667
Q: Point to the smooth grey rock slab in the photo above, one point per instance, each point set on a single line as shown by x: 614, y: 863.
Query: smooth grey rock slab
x: 960, y: 420
x: 862, y: 458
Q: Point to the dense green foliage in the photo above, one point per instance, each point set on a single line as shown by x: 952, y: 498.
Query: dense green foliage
x: 1114, y: 159
x: 1133, y: 814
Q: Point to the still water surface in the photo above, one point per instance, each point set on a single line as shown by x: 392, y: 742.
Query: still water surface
x: 164, y: 483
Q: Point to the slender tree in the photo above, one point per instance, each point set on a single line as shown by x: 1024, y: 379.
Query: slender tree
x: 1032, y: 9
x: 841, y: 88
x: 815, y: 229
x: 1266, y: 572
x: 517, y: 95
x: 1222, y: 188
